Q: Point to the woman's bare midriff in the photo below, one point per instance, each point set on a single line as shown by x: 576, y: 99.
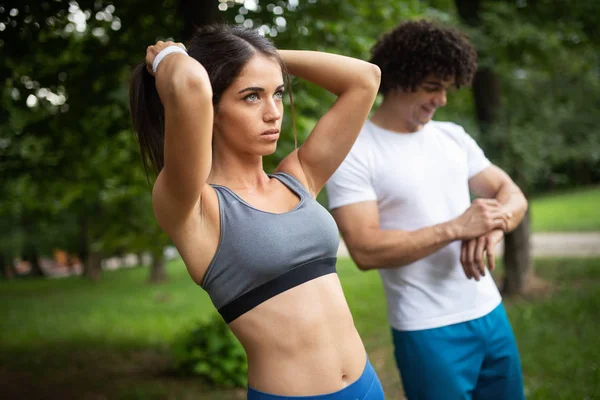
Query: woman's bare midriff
x: 303, y: 341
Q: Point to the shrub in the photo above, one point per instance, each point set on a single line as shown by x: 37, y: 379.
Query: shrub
x: 210, y: 350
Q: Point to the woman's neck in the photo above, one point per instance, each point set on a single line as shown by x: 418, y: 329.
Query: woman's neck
x: 237, y: 171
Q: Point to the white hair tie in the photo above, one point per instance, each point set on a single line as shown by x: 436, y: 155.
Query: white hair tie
x: 165, y: 52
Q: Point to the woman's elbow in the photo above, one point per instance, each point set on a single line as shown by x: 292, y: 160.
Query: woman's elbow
x: 372, y: 77
x: 191, y: 80
x: 376, y: 75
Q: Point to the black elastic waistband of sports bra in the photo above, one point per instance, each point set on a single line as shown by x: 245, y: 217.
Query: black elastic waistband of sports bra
x: 297, y: 276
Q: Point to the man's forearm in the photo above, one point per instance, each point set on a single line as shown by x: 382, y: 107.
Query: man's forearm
x: 514, y: 201
x: 395, y: 248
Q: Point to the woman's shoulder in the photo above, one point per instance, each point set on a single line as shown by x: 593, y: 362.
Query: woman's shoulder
x: 291, y: 169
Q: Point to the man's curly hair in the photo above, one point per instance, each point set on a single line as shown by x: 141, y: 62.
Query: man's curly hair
x: 416, y: 49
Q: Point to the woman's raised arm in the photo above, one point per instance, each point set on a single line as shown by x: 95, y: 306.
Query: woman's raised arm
x: 186, y: 94
x: 355, y: 82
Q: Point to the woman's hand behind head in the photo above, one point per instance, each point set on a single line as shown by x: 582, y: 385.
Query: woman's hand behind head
x: 152, y: 52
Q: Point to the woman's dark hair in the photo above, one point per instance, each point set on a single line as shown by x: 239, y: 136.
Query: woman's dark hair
x: 223, y: 50
x: 416, y: 49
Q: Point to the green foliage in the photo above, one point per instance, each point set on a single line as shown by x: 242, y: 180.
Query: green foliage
x: 70, y: 166
x: 66, y: 148
x: 69, y: 154
x: 546, y: 54
x: 212, y: 352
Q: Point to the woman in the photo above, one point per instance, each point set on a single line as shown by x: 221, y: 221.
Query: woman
x: 259, y: 244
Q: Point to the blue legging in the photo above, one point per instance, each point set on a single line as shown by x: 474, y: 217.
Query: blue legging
x: 367, y: 387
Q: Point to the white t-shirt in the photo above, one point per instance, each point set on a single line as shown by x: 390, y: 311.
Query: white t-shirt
x: 419, y: 179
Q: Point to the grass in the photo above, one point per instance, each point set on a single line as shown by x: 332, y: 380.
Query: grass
x: 70, y: 338
x: 557, y: 333
x: 120, y: 309
x: 572, y: 211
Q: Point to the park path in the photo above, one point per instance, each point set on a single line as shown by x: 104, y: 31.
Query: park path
x: 548, y: 244
x: 574, y: 244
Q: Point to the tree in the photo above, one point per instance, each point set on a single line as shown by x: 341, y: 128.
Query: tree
x: 544, y: 123
x: 67, y: 133
x: 69, y: 159
x: 197, y: 13
x: 488, y: 103
x: 68, y: 130
x: 6, y: 267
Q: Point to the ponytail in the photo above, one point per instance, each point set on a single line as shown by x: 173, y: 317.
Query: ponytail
x: 148, y: 116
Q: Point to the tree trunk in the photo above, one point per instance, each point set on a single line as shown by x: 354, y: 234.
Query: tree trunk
x: 82, y: 246
x: 91, y: 260
x: 140, y: 257
x: 487, y: 96
x: 517, y: 258
x: 6, y: 269
x: 158, y: 273
x: 468, y: 10
x: 30, y: 251
x: 31, y: 255
x: 197, y: 13
x: 93, y: 266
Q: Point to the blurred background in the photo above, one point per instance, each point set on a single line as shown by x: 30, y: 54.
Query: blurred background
x: 96, y: 304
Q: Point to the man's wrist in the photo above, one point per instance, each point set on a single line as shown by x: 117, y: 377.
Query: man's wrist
x: 450, y: 231
x: 496, y: 234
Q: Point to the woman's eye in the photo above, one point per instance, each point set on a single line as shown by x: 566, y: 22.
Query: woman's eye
x: 279, y: 94
x: 252, y: 97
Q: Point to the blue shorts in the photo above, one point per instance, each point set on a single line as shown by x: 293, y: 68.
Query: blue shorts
x: 475, y: 359
x: 367, y: 387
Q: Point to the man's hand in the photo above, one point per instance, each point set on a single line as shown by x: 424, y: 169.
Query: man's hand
x: 474, y: 251
x: 483, y: 216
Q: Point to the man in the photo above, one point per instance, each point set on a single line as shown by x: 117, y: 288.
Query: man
x: 402, y: 202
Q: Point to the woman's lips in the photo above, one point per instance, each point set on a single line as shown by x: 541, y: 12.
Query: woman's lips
x: 271, y: 134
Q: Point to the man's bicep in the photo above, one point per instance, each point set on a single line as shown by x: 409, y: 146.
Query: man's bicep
x: 357, y: 221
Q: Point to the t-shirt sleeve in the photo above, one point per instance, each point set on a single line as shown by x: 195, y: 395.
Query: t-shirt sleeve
x: 351, y: 183
x: 476, y: 159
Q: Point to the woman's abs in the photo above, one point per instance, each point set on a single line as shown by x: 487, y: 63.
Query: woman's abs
x: 303, y: 341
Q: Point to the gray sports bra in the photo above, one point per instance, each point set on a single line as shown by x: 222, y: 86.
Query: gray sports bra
x: 261, y: 254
